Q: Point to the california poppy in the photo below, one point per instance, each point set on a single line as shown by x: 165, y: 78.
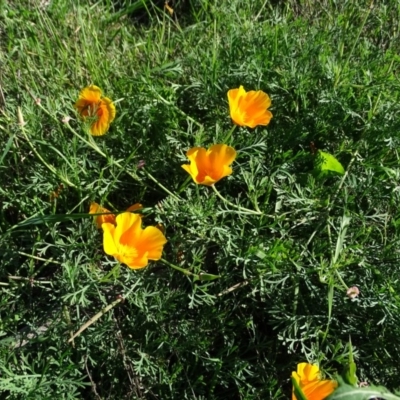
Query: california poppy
x: 249, y: 108
x: 308, y: 377
x: 130, y: 244
x: 110, y: 218
x: 209, y: 166
x: 100, y: 109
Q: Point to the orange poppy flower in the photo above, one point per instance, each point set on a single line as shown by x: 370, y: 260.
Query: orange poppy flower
x: 209, y: 166
x: 249, y: 108
x: 308, y: 377
x: 130, y: 244
x: 101, y: 109
x: 107, y: 218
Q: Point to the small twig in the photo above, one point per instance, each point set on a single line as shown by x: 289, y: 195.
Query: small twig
x: 234, y: 287
x: 39, y: 258
x: 91, y: 380
x: 100, y: 314
x: 133, y: 378
x: 94, y: 319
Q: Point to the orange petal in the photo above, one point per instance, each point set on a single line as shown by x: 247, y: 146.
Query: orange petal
x: 151, y: 242
x: 110, y: 108
x: 319, y: 390
x: 138, y: 262
x: 202, y: 164
x: 91, y: 94
x: 124, y: 222
x: 221, y: 156
x: 225, y: 155
x: 135, y: 207
x: 101, y: 219
x: 132, y: 234
x: 104, y: 117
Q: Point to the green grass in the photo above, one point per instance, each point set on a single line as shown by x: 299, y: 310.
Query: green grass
x: 332, y: 71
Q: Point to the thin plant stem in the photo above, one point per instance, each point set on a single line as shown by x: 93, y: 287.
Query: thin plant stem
x: 184, y: 271
x: 228, y: 136
x: 245, y: 210
x: 341, y: 279
x: 161, y: 185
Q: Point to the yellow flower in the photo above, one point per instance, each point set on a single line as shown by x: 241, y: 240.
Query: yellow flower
x: 109, y: 218
x: 308, y: 377
x: 249, y: 108
x: 209, y: 166
x: 101, y: 109
x: 130, y: 244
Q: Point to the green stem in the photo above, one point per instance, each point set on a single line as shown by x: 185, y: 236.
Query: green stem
x: 228, y: 136
x: 245, y: 210
x: 161, y: 186
x: 184, y: 271
x: 341, y: 279
x: 184, y: 184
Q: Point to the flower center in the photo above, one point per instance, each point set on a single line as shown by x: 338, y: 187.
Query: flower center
x: 128, y: 252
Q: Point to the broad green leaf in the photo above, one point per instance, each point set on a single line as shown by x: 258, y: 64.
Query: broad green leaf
x: 326, y: 163
x: 348, y: 392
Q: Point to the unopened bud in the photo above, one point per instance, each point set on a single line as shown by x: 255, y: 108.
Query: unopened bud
x: 21, y: 121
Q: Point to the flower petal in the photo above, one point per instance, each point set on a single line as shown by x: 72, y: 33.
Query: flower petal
x: 109, y: 245
x: 124, y: 222
x: 110, y: 108
x: 138, y: 262
x: 101, y: 219
x: 308, y: 372
x: 319, y: 390
x: 151, y: 242
x: 131, y: 235
x: 91, y: 94
x: 134, y: 207
x: 202, y: 164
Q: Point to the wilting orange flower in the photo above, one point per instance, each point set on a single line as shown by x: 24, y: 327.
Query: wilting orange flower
x: 130, y: 244
x: 308, y: 377
x: 101, y: 109
x: 109, y: 218
x: 249, y: 108
x: 209, y: 166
